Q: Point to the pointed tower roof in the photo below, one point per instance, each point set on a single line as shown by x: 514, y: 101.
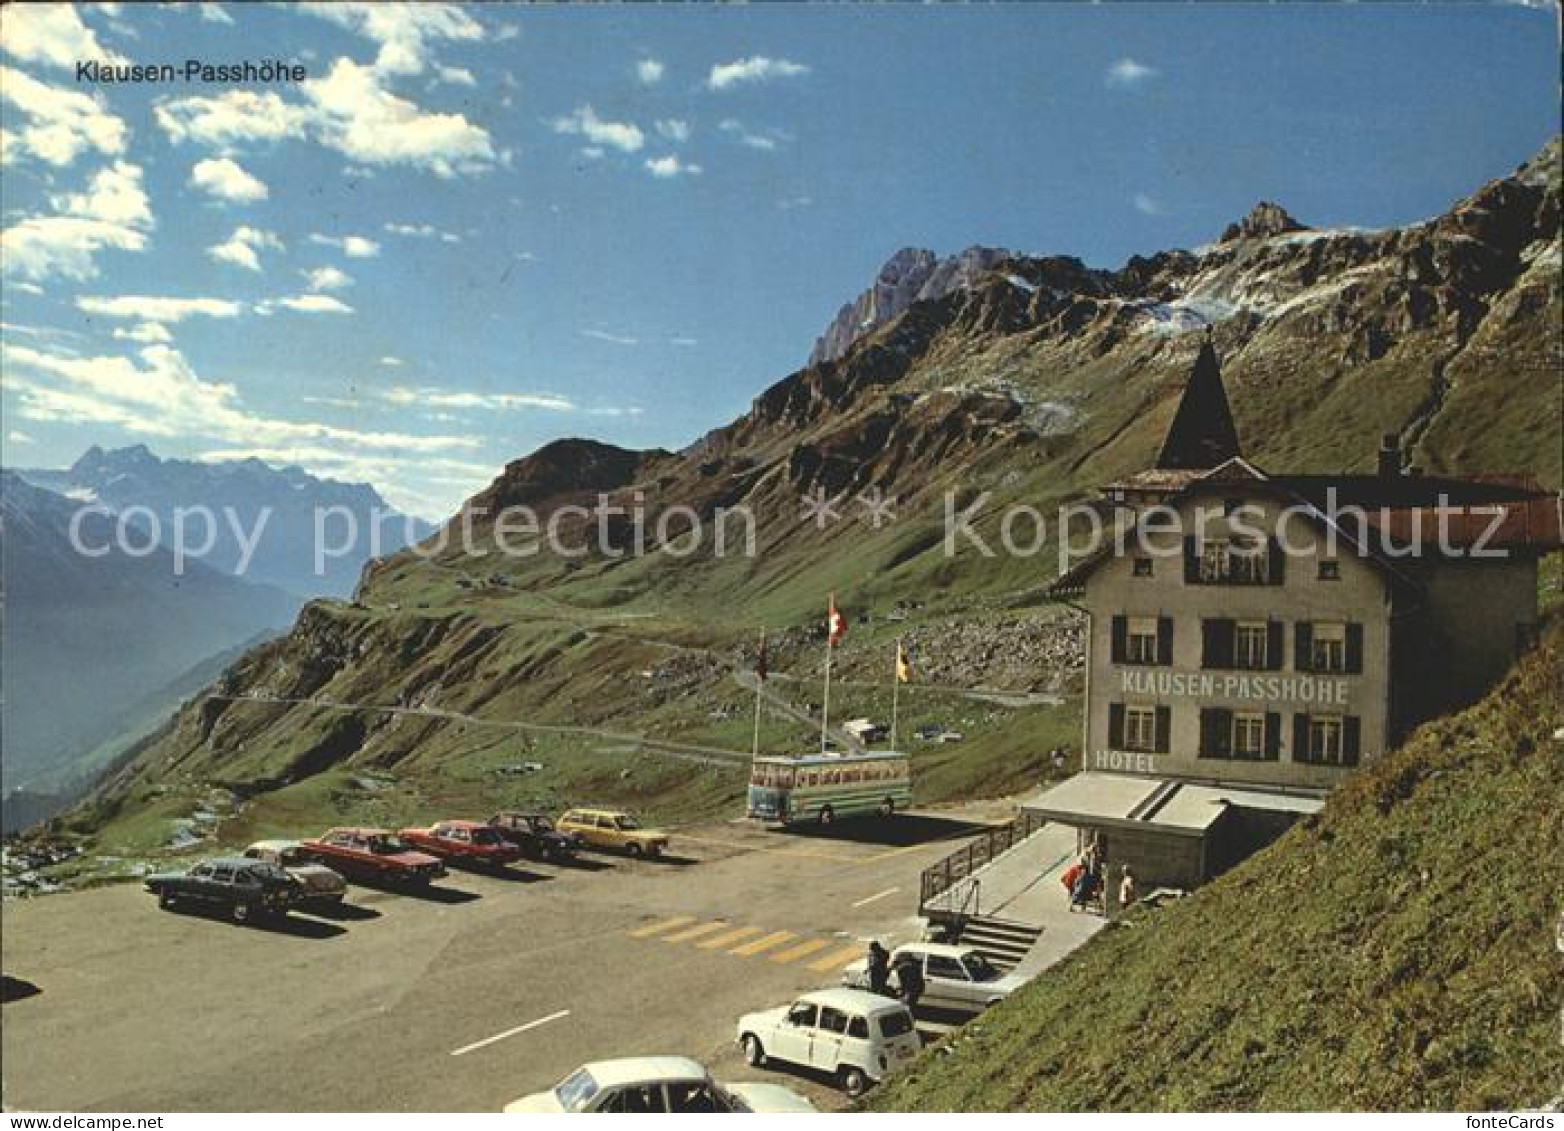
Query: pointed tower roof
x: 1202, y: 434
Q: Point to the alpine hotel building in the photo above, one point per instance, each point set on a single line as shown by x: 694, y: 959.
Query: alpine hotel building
x: 1282, y: 631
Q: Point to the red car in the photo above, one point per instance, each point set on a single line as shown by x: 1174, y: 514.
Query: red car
x: 464, y: 842
x: 373, y: 854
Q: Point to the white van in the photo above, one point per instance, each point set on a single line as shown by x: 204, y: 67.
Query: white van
x: 856, y: 1036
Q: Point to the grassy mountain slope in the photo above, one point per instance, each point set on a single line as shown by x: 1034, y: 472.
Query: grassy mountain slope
x: 1396, y: 952
x: 1041, y: 381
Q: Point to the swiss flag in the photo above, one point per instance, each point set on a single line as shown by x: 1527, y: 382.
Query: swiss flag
x: 835, y: 623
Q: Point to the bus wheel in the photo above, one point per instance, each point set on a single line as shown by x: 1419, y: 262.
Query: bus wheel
x: 827, y: 815
x: 887, y: 807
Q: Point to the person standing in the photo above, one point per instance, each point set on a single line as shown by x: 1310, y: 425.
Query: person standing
x: 1127, y: 892
x: 879, y: 969
x: 909, y: 980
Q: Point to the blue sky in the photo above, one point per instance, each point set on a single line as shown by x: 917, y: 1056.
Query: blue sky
x: 475, y: 229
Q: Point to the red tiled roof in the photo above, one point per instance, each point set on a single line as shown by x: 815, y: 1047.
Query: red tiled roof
x: 1529, y: 524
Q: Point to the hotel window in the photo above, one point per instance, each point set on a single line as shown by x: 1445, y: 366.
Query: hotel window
x: 1326, y: 740
x: 1219, y: 561
x: 1249, y: 645
x: 1142, y: 640
x: 1245, y: 735
x: 1248, y: 735
x: 1328, y: 647
x: 1139, y: 728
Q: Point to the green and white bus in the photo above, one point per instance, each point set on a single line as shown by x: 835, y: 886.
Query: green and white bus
x: 827, y: 787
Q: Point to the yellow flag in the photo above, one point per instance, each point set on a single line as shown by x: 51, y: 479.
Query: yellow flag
x: 903, y: 667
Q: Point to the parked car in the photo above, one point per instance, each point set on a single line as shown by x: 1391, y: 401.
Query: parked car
x: 652, y: 1084
x: 956, y: 978
x: 318, y: 884
x: 373, y: 854
x: 464, y: 842
x: 853, y: 1035
x: 535, y: 835
x: 613, y: 829
x: 246, y: 889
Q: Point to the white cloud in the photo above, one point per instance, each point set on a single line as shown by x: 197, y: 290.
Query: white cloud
x: 650, y: 71
x: 605, y: 336
x: 354, y: 247
x: 763, y: 139
x: 226, y: 179
x: 349, y: 110
x: 683, y: 340
x: 52, y: 34
x: 114, y: 213
x: 328, y: 279
x: 1148, y: 205
x: 674, y: 129
x: 584, y: 122
x: 436, y: 398
x: 146, y: 333
x: 149, y: 308
x: 670, y: 166
x: 392, y: 361
x: 423, y: 232
x: 17, y: 436
x: 231, y: 119
x: 157, y: 393
x: 60, y: 124
x: 403, y: 31
x: 457, y: 76
x: 315, y: 304
x: 757, y: 68
x: 355, y: 115
x: 1129, y: 72
x: 114, y: 195
x: 213, y: 13
x: 242, y: 248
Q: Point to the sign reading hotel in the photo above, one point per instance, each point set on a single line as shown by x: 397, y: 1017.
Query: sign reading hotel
x: 1260, y: 688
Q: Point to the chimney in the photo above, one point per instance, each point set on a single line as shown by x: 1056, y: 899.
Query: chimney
x: 1389, y: 457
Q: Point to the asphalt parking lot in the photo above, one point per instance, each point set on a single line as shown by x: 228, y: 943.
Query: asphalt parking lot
x: 462, y: 998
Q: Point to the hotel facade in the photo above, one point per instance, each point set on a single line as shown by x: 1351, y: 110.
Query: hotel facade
x: 1254, y: 638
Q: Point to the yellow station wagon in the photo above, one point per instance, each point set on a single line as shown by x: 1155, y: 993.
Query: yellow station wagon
x: 611, y: 828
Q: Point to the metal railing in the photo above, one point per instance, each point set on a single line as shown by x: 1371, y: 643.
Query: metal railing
x: 972, y: 856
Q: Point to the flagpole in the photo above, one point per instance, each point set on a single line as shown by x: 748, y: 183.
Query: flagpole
x: 759, y: 680
x: 895, y: 690
x: 825, y: 706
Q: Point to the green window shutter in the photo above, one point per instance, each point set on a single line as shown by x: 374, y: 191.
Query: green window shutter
x: 1164, y: 729
x: 1121, y: 632
x: 1351, y: 739
x: 1300, y: 737
x: 1275, y: 643
x: 1164, y: 640
x: 1273, y: 735
x: 1303, y: 646
x: 1276, y: 563
x: 1191, y: 561
x: 1115, y: 726
x: 1354, y: 650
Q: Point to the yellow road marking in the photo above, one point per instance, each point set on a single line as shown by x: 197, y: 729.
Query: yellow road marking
x: 793, y: 954
x: 697, y: 931
x: 837, y: 959
x: 657, y: 928
x: 766, y: 943
x: 727, y: 938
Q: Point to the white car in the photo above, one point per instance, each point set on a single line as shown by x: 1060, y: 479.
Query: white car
x: 956, y: 978
x: 655, y: 1084
x: 854, y: 1035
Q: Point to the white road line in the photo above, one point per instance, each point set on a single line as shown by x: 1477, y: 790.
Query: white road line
x: 872, y: 898
x: 511, y: 1032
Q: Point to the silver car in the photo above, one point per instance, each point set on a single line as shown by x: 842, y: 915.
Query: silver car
x: 321, y: 884
x: 955, y: 978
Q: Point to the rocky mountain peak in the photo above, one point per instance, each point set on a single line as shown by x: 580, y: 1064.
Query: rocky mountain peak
x: 912, y: 275
x: 1264, y: 221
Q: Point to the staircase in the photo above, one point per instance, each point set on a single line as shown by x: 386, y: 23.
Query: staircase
x: 1003, y: 943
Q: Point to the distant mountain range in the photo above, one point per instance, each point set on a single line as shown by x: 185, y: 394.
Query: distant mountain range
x: 89, y: 642
x: 284, y: 557
x: 1029, y: 379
